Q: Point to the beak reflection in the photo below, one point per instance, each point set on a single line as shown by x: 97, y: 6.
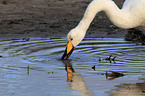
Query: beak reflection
x: 70, y: 70
x: 68, y: 51
x: 75, y: 80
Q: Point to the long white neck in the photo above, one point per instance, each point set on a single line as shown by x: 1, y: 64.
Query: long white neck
x: 119, y: 17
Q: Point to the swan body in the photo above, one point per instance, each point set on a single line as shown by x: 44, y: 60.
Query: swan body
x: 131, y: 15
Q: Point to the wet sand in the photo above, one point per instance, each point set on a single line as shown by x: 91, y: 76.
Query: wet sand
x: 51, y: 18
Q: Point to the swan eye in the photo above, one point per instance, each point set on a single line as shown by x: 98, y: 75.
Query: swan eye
x: 71, y: 39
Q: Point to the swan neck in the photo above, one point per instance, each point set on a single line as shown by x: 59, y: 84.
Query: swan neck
x: 93, y: 8
x: 118, y: 17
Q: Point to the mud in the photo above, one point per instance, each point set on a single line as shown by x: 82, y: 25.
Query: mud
x: 51, y: 18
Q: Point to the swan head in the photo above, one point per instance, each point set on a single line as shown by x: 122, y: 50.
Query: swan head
x: 74, y: 37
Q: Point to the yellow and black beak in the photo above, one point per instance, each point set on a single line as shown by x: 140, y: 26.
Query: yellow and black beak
x: 68, y: 51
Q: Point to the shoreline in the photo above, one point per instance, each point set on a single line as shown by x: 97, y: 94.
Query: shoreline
x: 52, y: 18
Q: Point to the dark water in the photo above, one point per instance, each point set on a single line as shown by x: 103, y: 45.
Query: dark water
x: 34, y: 68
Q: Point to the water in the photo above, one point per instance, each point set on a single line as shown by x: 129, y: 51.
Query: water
x: 34, y: 68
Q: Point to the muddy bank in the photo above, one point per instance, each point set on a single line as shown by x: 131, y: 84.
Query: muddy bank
x: 51, y: 18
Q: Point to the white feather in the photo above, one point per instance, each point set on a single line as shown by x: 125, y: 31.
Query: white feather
x: 131, y: 15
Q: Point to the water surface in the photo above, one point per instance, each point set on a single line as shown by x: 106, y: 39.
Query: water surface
x: 34, y: 68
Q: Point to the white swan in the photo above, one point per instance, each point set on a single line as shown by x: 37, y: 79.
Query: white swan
x: 131, y: 15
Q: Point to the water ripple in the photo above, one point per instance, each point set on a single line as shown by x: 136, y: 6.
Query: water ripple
x: 47, y: 70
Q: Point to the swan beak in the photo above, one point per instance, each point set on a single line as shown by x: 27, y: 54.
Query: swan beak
x: 68, y: 51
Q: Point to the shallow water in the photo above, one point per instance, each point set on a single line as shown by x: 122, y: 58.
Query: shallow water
x: 34, y: 68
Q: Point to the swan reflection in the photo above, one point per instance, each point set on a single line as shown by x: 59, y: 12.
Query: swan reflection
x: 75, y: 80
x: 79, y: 86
